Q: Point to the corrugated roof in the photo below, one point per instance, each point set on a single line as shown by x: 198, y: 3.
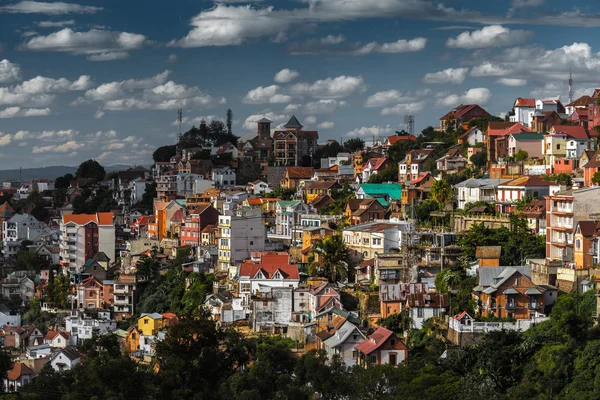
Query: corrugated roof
x: 487, y: 252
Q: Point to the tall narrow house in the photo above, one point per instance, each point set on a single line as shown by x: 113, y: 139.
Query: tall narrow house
x: 293, y: 146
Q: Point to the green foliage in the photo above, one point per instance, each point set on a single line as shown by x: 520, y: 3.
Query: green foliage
x: 560, y: 179
x: 164, y: 153
x: 422, y: 211
x: 397, y: 152
x: 229, y: 122
x: 340, y: 198
x: 596, y: 178
x: 441, y: 191
x: 482, y: 123
x: 203, y: 154
x: 91, y: 169
x: 479, y: 159
x: 147, y: 268
x: 397, y: 323
x: 98, y: 200
x: 30, y: 261
x: 354, y: 145
x: 332, y: 258
x: 388, y: 174
x: 35, y: 316
x: 281, y: 193
x: 57, y: 291
x: 63, y: 182
x: 148, y: 196
x: 521, y: 155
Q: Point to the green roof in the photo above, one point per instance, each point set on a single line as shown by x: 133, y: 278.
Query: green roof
x: 181, y: 202
x: 393, y: 190
x: 288, y: 203
x: 382, y: 201
x: 529, y: 136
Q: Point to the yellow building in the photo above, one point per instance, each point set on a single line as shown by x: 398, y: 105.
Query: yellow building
x: 151, y: 324
x: 357, y: 162
x: 310, y: 236
x: 132, y: 340
x: 583, y: 240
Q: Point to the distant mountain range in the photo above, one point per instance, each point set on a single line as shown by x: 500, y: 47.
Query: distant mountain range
x: 52, y: 172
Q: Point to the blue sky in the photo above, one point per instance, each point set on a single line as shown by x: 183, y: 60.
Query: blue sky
x: 103, y: 79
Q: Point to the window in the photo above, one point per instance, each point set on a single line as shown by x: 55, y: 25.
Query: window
x: 420, y: 313
x: 373, y: 359
x: 145, y: 322
x: 578, y: 244
x: 436, y: 312
x: 392, y: 359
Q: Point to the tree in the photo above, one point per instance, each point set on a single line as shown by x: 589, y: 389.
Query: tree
x: 164, y: 153
x: 479, y: 159
x: 397, y: 323
x: 63, y: 182
x: 330, y: 258
x: 441, y: 191
x: 91, y: 169
x: 354, y: 144
x: 388, y: 174
x: 521, y: 155
x: 148, y: 267
x: 596, y: 178
x: 397, y: 152
x: 229, y: 121
x: 482, y: 123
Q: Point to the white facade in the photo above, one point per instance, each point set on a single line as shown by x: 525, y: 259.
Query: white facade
x: 63, y: 362
x: 238, y: 237
x: 138, y: 188
x: 232, y: 201
x: 255, y: 282
x: 223, y: 177
x: 419, y: 315
x: 259, y: 187
x: 337, y: 160
x: 9, y: 318
x: 342, y: 343
x: 473, y: 190
x: 186, y: 182
x: 81, y: 327
x: 18, y: 228
x: 474, y: 136
x: 287, y: 219
x: 376, y: 237
x: 523, y: 114
x: 576, y: 147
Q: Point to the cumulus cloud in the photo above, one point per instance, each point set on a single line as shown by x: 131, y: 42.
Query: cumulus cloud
x: 331, y: 88
x: 404, y: 108
x: 98, y: 45
x: 331, y: 39
x: 375, y: 130
x: 286, y: 75
x: 9, y: 72
x: 476, y: 95
x: 66, y: 147
x: 13, y: 112
x: 266, y: 95
x: 449, y: 75
x: 172, y: 58
x: 336, y: 45
x: 323, y: 106
x: 21, y: 135
x: 53, y: 8
x: 311, y: 119
x: 326, y: 125
x: 489, y: 69
x: 386, y: 97
x: 41, y: 84
x: 5, y: 139
x: 400, y: 46
x: 277, y: 119
x: 489, y: 36
x: 9, y: 97
x: 99, y: 114
x: 512, y: 82
x: 114, y: 90
x: 55, y: 24
x: 526, y: 3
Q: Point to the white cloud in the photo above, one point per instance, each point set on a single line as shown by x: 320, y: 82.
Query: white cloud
x: 371, y: 130
x: 286, y: 75
x: 98, y: 45
x: 449, y: 75
x: 331, y: 39
x: 323, y: 106
x: 9, y: 71
x: 489, y: 69
x: 115, y: 90
x: 172, y: 58
x: 13, y: 112
x: 384, y: 98
x: 55, y: 24
x: 266, y: 94
x: 512, y: 82
x: 311, y: 119
x: 66, y: 147
x: 489, y: 36
x: 49, y: 8
x: 110, y: 134
x: 40, y: 85
x: 57, y: 134
x: 9, y: 97
x: 400, y: 46
x: 326, y: 125
x: 99, y: 114
x: 526, y: 3
x: 404, y: 108
x: 472, y: 96
x: 5, y: 139
x: 331, y: 88
x: 278, y: 120
x: 114, y: 146
x: 21, y: 135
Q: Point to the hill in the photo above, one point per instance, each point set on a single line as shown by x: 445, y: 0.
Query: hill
x: 48, y: 172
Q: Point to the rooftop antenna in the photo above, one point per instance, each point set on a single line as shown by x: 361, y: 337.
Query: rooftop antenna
x: 409, y: 121
x: 180, y: 120
x: 570, y: 87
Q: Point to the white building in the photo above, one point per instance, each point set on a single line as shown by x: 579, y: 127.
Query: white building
x: 342, y: 343
x: 472, y: 136
x: 8, y: 317
x: 376, y: 237
x: 238, y: 238
x: 84, y: 235
x: 232, y: 201
x: 65, y: 359
x: 18, y: 228
x: 82, y: 324
x: 138, y: 188
x: 576, y: 147
x: 337, y: 160
x: 259, y: 187
x: 186, y: 182
x: 223, y: 177
x: 473, y: 190
x: 423, y: 306
x: 287, y: 219
x: 523, y: 111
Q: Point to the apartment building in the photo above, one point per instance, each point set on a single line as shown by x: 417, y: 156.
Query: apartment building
x: 84, y: 235
x: 194, y: 224
x: 293, y: 144
x: 238, y: 237
x: 17, y: 228
x: 368, y: 239
x: 413, y: 165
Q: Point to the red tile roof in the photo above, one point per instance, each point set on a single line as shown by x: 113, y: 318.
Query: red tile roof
x: 393, y: 139
x: 289, y: 271
x: 18, y: 370
x: 503, y: 130
x: 572, y: 131
x: 374, y: 341
x: 419, y: 179
x: 459, y: 111
x: 101, y: 218
x: 521, y: 102
x: 528, y: 181
x: 255, y: 201
x: 376, y: 163
x: 300, y: 172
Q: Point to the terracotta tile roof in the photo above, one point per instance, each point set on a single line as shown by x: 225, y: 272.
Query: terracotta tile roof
x: 521, y: 102
x: 255, y: 201
x: 459, y: 111
x: 427, y: 300
x: 144, y: 220
x: 321, y: 198
x: 393, y: 139
x: 177, y: 216
x: 528, y: 181
x: 374, y: 341
x: 583, y: 101
x: 320, y: 184
x: 300, y: 172
x: 209, y: 228
x: 535, y: 209
x: 18, y: 370
x: 572, y: 131
x: 420, y: 179
x: 101, y: 218
x: 588, y: 228
x: 52, y: 334
x: 376, y: 163
x: 289, y: 271
x: 515, y: 127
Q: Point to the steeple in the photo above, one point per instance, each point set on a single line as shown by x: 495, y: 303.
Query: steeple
x: 293, y: 123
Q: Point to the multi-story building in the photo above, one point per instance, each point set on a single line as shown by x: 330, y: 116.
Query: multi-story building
x: 461, y: 115
x: 473, y: 190
x: 523, y: 111
x: 287, y: 219
x: 166, y: 187
x: 124, y: 296
x: 164, y: 211
x: 223, y: 177
x: 373, y: 167
x: 17, y: 228
x: 381, y: 236
x: 508, y: 193
x: 191, y: 230
x: 84, y: 235
x: 413, y: 166
x: 293, y: 145
x: 264, y: 147
x: 238, y: 237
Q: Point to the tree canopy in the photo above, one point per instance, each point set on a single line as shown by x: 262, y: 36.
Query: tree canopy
x: 91, y: 169
x: 164, y: 153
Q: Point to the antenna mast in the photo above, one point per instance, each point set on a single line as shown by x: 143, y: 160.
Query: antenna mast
x: 570, y: 87
x: 180, y: 120
x: 409, y: 121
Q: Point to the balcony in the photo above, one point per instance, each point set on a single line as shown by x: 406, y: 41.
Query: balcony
x: 510, y: 306
x: 121, y: 290
x: 487, y: 198
x: 533, y: 306
x: 122, y: 302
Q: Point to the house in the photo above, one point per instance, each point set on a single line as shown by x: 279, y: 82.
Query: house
x: 514, y: 190
x: 544, y: 120
x: 228, y: 148
x: 497, y: 138
x: 223, y: 177
x: 313, y: 189
x: 320, y: 202
x: 361, y: 211
x: 550, y: 105
x: 310, y: 236
x: 532, y: 143
x: 325, y: 324
x: 381, y: 236
x: 323, y: 297
x: 523, y: 111
x: 224, y: 307
x: 9, y: 317
x: 342, y: 344
x: 372, y: 167
x: 394, y: 296
x: 413, y: 166
x: 58, y: 339
x: 326, y: 174
x: 238, y: 237
x: 149, y: 324
x: 392, y: 140
x: 160, y: 227
x: 264, y: 142
x: 272, y: 308
x: 423, y: 306
x: 451, y: 162
x: 508, y: 292
x: 90, y: 294
x: 193, y: 224
x: 293, y: 176
x: 460, y: 116
x: 386, y: 192
x: 293, y: 146
x: 579, y: 104
x: 337, y: 160
x: 287, y: 218
x: 18, y: 376
x: 382, y: 347
x: 535, y: 212
x: 259, y: 187
x: 473, y: 190
x: 65, y: 359
x: 585, y: 233
x: 580, y: 117
x: 20, y: 227
x: 416, y: 190
x: 473, y: 136
x: 93, y: 268
x: 18, y: 286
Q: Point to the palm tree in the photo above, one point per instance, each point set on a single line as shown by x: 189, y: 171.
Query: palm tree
x: 441, y: 191
x: 331, y: 257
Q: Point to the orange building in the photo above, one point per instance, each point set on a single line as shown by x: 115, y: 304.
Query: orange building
x: 488, y: 256
x: 163, y: 214
x: 585, y: 232
x: 310, y: 236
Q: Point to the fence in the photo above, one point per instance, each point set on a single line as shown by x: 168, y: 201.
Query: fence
x: 520, y: 325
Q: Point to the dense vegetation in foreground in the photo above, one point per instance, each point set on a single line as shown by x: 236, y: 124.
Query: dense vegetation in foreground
x: 559, y: 358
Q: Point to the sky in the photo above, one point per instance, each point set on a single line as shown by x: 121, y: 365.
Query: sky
x: 104, y: 79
